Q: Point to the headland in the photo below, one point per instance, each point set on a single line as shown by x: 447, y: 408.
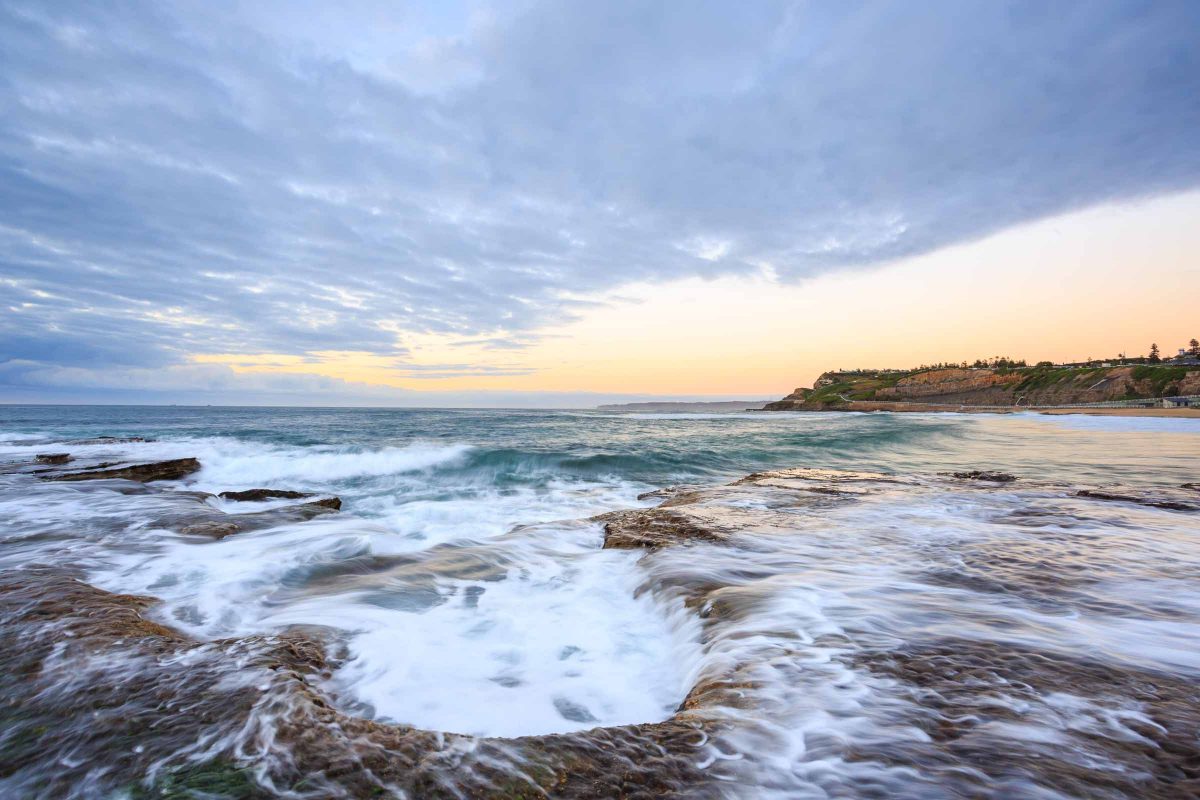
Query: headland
x: 1161, y: 389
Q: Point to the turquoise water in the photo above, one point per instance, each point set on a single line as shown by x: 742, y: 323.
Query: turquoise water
x: 526, y: 447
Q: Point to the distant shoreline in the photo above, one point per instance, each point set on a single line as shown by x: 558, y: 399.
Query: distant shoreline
x: 931, y: 408
x: 685, y: 406
x: 1002, y: 389
x: 1128, y: 412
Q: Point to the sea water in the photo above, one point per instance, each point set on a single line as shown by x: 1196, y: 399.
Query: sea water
x: 500, y: 614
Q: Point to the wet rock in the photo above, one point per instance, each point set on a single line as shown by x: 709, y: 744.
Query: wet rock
x: 1017, y: 568
x: 253, y: 495
x: 653, y: 528
x: 471, y: 596
x: 803, y: 477
x: 1192, y: 486
x: 425, y: 576
x: 332, y: 503
x: 143, y: 473
x: 197, y: 518
x: 572, y: 711
x: 667, y: 493
x: 1042, y: 517
x: 985, y: 475
x: 263, y: 704
x: 49, y: 594
x: 967, y: 692
x: 733, y: 690
x: 258, y: 495
x: 217, y: 529
x: 760, y: 502
x: 801, y: 482
x: 110, y: 440
x: 88, y: 675
x: 85, y: 672
x: 52, y: 458
x: 1154, y: 499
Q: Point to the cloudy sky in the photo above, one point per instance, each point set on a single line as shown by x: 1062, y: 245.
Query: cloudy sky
x: 533, y: 203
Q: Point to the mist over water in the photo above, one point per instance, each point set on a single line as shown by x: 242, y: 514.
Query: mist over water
x: 471, y: 594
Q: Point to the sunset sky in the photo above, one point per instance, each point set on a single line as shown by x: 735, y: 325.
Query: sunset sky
x: 559, y: 204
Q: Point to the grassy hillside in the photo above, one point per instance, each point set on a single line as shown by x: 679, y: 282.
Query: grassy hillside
x: 1038, y: 385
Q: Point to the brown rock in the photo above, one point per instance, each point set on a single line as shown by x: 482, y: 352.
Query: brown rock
x: 334, y: 503
x: 52, y: 458
x: 265, y: 494
x: 984, y: 475
x: 943, y: 382
x: 955, y: 683
x: 152, y: 471
x: 652, y: 528
x: 197, y: 518
x: 962, y: 389
x: 667, y: 493
x: 304, y: 745
x: 1159, y: 499
x: 217, y: 529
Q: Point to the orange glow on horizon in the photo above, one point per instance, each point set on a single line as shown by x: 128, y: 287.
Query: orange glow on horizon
x: 1088, y: 284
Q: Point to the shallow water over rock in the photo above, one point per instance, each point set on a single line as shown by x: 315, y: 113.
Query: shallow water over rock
x: 495, y: 612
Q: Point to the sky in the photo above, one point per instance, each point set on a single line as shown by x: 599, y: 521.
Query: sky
x: 563, y: 203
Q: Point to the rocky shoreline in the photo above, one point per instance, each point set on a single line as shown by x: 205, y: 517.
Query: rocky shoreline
x: 86, y: 669
x: 991, y: 390
x: 281, y: 730
x: 868, y: 406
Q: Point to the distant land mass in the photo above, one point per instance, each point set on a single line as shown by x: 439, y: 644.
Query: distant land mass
x: 1045, y: 386
x: 705, y: 406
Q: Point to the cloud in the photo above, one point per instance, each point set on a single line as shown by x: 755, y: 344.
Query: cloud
x: 214, y: 384
x: 177, y: 180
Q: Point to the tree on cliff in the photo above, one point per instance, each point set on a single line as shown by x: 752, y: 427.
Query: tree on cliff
x: 1194, y: 348
x: 1154, y: 358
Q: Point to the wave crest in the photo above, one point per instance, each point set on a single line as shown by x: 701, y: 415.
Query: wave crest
x: 310, y: 466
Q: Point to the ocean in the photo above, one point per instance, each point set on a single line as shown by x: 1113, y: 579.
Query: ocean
x: 464, y: 589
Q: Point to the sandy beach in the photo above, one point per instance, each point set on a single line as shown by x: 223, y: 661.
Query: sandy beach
x: 875, y: 405
x: 1128, y: 412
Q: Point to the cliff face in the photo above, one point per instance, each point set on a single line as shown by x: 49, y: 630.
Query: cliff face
x: 941, y: 382
x: 1028, y: 386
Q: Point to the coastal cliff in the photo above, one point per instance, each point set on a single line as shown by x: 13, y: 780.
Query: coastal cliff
x: 1022, y: 386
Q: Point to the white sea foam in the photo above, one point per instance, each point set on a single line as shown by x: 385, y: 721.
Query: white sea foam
x: 229, y: 463
x: 459, y: 615
x: 553, y: 639
x: 471, y: 512
x: 225, y: 588
x: 556, y: 644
